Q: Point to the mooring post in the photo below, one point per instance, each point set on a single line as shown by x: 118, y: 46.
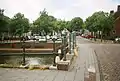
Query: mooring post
x: 70, y: 43
x: 54, y: 53
x: 73, y: 39
x: 23, y: 51
x: 62, y: 51
x: 64, y: 47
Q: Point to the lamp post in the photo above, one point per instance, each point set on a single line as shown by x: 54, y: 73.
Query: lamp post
x: 54, y: 53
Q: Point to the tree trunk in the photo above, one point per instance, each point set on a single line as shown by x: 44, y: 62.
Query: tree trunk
x: 101, y: 36
x: 2, y: 36
x: 94, y: 36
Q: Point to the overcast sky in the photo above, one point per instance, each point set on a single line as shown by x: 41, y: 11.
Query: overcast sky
x: 62, y: 9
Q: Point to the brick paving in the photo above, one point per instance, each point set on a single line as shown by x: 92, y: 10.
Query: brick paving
x: 108, y: 55
x: 98, y: 41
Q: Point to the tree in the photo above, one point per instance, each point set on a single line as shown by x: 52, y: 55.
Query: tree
x: 45, y: 22
x: 34, y: 29
x: 68, y: 26
x: 4, y: 24
x: 76, y: 24
x: 100, y: 21
x: 60, y: 25
x: 52, y: 20
x: 19, y: 24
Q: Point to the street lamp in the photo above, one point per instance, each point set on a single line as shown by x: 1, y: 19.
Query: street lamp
x: 54, y: 51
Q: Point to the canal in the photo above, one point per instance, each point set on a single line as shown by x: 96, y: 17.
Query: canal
x: 29, y: 59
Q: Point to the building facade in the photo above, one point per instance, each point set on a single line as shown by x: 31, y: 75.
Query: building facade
x: 117, y: 22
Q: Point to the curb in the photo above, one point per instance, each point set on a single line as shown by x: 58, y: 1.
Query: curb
x: 76, y: 51
x: 29, y: 67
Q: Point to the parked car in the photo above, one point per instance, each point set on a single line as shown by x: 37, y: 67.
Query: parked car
x: 42, y: 39
x: 48, y: 37
x: 83, y: 35
x: 117, y: 40
x: 89, y: 36
x: 37, y: 37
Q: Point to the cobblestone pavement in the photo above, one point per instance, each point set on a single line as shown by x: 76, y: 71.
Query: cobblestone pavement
x: 108, y: 56
x: 98, y: 41
x: 78, y: 71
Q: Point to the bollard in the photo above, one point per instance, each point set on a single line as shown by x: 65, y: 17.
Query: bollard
x: 64, y: 48
x: 23, y: 51
x: 62, y: 54
x: 70, y: 43
x: 73, y: 39
x: 54, y: 64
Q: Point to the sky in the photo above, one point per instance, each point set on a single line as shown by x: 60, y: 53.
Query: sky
x: 61, y: 9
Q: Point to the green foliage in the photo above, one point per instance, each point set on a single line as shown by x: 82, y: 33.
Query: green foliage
x: 4, y: 22
x: 19, y: 24
x: 100, y: 21
x: 49, y: 23
x: 45, y: 22
x: 76, y: 24
x: 60, y: 25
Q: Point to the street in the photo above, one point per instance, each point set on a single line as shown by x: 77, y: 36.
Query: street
x: 108, y: 57
x: 90, y: 57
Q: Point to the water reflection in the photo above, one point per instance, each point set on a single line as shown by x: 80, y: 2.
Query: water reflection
x: 34, y: 60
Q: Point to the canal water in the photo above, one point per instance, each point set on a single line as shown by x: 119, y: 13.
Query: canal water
x: 30, y: 59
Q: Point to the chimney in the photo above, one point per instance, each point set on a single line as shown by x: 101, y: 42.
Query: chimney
x: 118, y: 9
x: 112, y: 12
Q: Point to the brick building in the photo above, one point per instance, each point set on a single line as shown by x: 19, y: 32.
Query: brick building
x: 117, y: 22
